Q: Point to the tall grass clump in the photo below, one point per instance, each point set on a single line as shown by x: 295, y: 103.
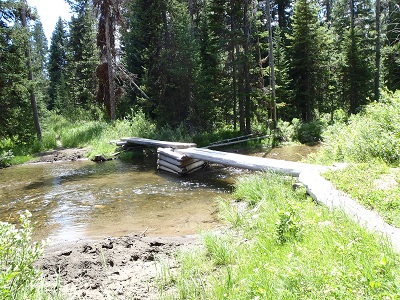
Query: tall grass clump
x: 19, y: 279
x: 288, y: 247
x: 372, y: 134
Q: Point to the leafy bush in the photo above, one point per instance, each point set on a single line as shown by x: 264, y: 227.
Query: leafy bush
x: 372, y: 134
x: 311, y: 132
x: 288, y: 227
x: 5, y: 158
x: 18, y: 276
x: 288, y: 131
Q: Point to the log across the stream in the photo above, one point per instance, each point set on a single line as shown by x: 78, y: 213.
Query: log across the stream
x: 184, y: 158
x: 250, y: 162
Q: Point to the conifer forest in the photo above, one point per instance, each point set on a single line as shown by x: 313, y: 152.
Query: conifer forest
x: 200, y: 64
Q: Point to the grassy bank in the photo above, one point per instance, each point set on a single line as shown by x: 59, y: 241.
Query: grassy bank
x: 95, y: 136
x: 282, y: 245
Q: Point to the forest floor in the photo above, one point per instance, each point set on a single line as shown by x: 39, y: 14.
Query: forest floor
x: 112, y: 268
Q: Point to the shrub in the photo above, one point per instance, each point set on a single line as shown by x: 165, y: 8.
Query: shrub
x: 18, y: 276
x: 372, y: 134
x: 288, y: 132
x: 311, y: 132
x: 5, y: 158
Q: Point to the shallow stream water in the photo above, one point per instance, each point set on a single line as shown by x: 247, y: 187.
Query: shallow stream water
x: 74, y: 200
x: 83, y: 199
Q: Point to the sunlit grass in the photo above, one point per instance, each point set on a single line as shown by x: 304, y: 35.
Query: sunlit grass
x: 374, y: 185
x: 327, y: 256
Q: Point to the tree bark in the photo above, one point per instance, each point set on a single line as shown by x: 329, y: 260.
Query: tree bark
x: 271, y: 65
x: 110, y: 67
x: 377, y: 48
x: 30, y: 76
x: 247, y: 105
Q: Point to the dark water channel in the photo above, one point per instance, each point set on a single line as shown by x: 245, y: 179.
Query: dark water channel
x: 76, y: 200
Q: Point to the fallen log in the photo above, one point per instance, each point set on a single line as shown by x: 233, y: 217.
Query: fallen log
x: 250, y: 162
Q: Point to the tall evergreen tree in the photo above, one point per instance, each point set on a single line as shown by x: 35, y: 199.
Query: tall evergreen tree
x: 83, y: 57
x: 16, y: 86
x: 39, y: 56
x: 57, y: 67
x: 356, y: 43
x: 305, y: 52
x: 391, y: 51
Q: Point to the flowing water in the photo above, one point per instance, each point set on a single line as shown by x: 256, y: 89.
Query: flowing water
x: 82, y: 199
x: 74, y: 200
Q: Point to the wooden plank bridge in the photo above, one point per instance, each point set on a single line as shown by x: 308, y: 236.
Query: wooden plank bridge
x: 184, y: 158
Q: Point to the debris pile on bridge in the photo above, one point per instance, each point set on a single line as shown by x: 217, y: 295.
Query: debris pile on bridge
x: 176, y: 163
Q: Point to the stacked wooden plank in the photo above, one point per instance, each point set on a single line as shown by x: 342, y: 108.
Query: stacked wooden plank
x: 177, y: 163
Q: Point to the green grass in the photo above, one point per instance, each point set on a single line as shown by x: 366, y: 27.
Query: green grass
x: 282, y: 245
x: 374, y: 185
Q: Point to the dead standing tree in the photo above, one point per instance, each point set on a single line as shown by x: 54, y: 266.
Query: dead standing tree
x: 109, y: 14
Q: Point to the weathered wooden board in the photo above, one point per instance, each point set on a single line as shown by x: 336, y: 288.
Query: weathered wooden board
x: 172, y: 154
x: 157, y: 143
x: 171, y: 166
x: 195, y: 165
x: 182, y: 163
x: 250, y: 162
x: 168, y: 170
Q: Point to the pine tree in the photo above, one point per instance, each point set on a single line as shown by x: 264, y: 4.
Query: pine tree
x: 305, y: 54
x: 57, y: 68
x: 83, y: 58
x: 356, y: 43
x: 391, y: 51
x: 16, y: 119
x: 40, y: 61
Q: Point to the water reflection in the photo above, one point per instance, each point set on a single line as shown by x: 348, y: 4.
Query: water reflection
x: 82, y: 199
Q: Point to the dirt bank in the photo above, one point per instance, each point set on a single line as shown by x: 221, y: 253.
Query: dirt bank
x: 112, y: 268
x: 59, y: 155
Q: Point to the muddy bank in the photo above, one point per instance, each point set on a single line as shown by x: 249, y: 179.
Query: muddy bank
x: 60, y: 155
x: 112, y: 268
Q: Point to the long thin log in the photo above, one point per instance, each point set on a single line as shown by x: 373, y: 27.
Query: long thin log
x: 233, y: 139
x: 235, y: 142
x: 157, y: 143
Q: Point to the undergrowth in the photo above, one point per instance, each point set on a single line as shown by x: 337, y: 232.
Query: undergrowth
x: 19, y: 278
x: 372, y: 134
x: 282, y: 245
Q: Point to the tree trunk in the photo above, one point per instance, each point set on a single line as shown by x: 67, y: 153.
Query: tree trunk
x: 377, y: 47
x: 234, y: 84
x: 272, y: 66
x: 30, y: 76
x: 246, y: 31
x: 110, y: 67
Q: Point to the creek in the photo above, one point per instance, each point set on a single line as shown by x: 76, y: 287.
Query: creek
x: 86, y: 200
